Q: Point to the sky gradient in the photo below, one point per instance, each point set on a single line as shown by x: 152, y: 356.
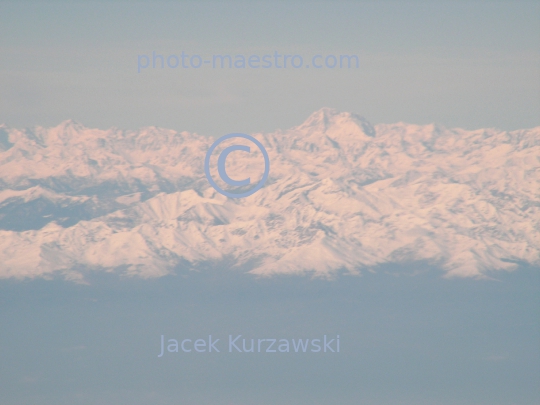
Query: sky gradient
x: 409, y: 335
x: 459, y: 64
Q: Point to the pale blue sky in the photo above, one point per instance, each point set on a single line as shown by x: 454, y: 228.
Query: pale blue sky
x: 467, y: 64
x: 405, y: 340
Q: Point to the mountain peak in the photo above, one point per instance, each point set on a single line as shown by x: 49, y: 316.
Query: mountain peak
x: 329, y: 120
x: 465, y: 201
x: 70, y: 124
x: 64, y: 131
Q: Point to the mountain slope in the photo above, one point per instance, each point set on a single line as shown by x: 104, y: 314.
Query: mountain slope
x: 342, y: 195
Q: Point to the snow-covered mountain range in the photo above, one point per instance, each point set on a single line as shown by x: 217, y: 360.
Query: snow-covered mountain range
x: 342, y: 195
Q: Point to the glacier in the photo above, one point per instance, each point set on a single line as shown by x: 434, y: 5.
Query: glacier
x: 343, y: 195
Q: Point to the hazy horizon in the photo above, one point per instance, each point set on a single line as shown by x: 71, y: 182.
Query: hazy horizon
x: 459, y: 64
x: 259, y: 203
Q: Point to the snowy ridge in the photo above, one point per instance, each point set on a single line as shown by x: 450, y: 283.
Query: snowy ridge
x: 342, y: 195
